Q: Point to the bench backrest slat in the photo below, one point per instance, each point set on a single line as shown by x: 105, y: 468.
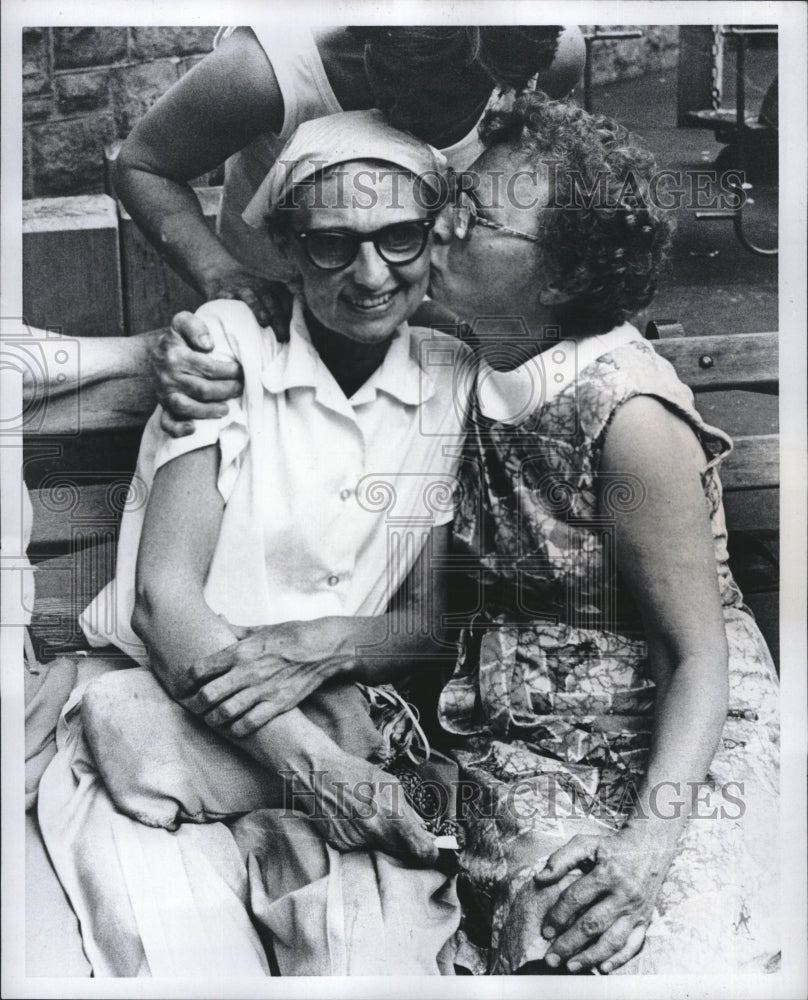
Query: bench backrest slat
x: 66, y: 511
x: 732, y: 361
x: 753, y: 463
x: 62, y: 517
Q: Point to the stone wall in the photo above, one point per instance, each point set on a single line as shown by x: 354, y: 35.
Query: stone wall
x: 83, y: 88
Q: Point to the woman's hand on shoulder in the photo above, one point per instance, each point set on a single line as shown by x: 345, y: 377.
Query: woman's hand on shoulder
x: 191, y: 385
x: 270, y: 301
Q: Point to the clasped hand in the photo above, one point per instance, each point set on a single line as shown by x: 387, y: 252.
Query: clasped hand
x: 600, y: 920
x: 193, y: 385
x: 267, y: 672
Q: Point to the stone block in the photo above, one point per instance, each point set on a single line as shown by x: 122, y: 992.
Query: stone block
x: 157, y: 43
x: 67, y: 156
x: 35, y: 49
x: 33, y: 39
x: 82, y: 91
x: 135, y: 88
x: 35, y: 84
x: 36, y: 109
x: 74, y: 48
x: 35, y: 62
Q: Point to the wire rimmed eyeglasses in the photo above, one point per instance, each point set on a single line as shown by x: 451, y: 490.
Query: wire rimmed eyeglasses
x: 461, y: 192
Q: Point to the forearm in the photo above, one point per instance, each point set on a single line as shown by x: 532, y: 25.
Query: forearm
x: 689, y: 717
x: 178, y: 628
x: 177, y: 640
x: 228, y: 99
x: 99, y: 359
x: 169, y: 213
x: 275, y: 667
x: 375, y: 650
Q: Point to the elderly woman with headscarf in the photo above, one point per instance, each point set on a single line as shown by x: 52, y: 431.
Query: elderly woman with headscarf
x: 283, y: 513
x: 243, y: 102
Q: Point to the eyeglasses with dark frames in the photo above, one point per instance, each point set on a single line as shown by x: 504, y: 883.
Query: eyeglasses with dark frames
x: 335, y: 249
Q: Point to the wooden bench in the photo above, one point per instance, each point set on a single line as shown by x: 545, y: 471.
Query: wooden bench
x: 77, y: 511
x: 751, y: 472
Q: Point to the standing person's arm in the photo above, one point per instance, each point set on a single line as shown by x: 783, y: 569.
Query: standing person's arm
x: 666, y: 556
x: 227, y: 100
x: 180, y: 532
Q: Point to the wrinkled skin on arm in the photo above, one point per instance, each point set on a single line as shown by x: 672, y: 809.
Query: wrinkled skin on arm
x: 665, y: 555
x: 272, y: 668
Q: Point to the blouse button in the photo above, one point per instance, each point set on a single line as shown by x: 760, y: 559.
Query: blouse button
x: 344, y: 494
x: 333, y: 581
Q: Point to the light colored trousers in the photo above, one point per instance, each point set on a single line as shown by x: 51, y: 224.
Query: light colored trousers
x: 204, y: 899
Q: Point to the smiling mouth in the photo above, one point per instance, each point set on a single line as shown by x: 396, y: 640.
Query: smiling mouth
x: 371, y: 303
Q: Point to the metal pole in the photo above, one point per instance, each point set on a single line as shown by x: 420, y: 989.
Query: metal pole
x: 740, y: 99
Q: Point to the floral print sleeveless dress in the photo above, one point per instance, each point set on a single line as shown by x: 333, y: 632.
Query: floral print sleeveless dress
x: 550, y: 704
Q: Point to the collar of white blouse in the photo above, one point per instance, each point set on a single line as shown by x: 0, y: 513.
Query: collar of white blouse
x: 298, y: 365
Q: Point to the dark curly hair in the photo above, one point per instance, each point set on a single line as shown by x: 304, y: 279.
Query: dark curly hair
x: 603, y: 239
x: 414, y: 69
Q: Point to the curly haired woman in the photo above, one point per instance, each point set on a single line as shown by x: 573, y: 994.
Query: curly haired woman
x: 614, y: 705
